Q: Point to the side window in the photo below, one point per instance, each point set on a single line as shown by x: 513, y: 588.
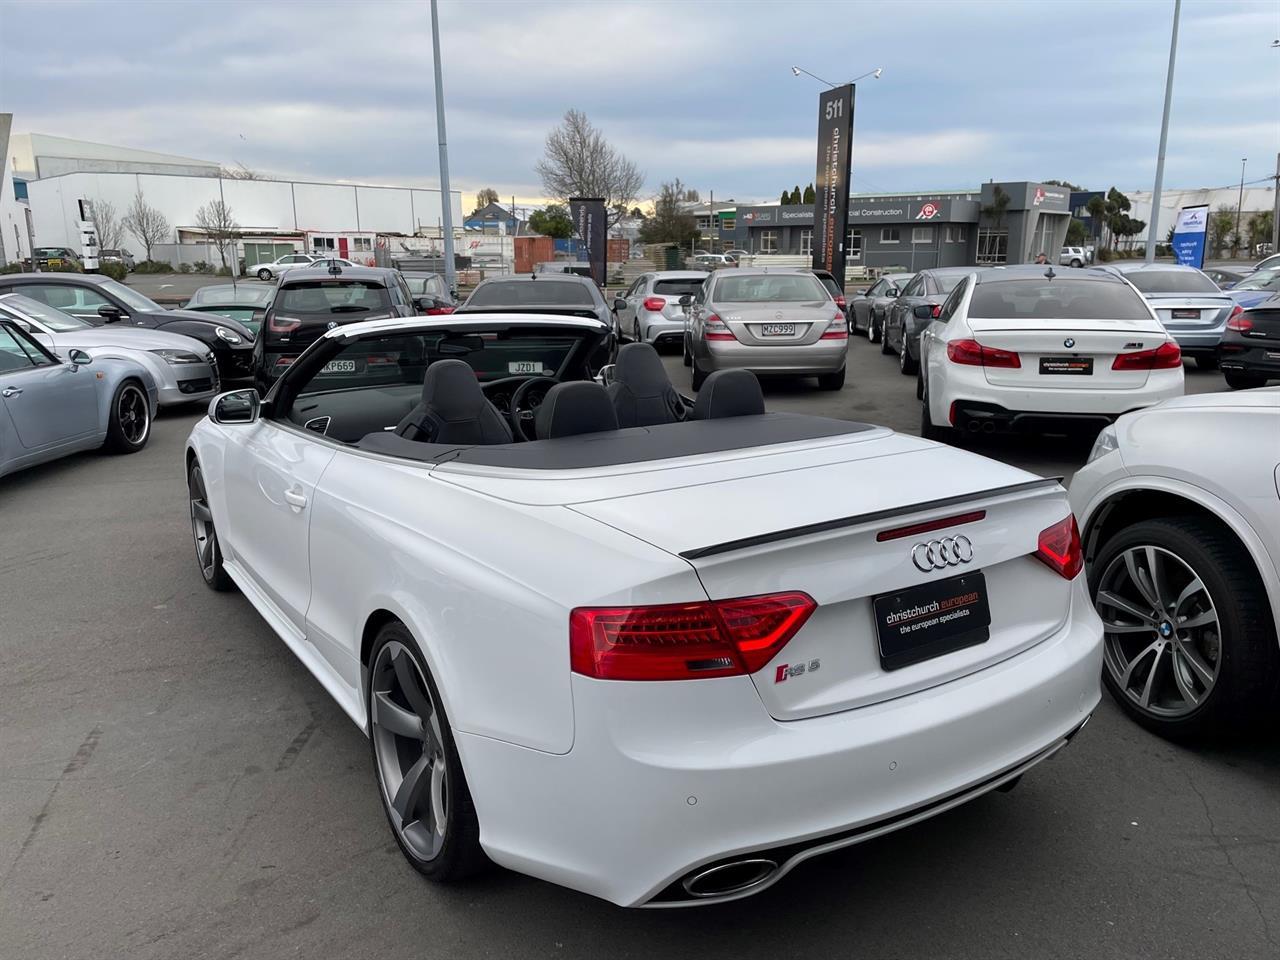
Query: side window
x: 878, y: 288
x: 914, y: 288
x: 65, y: 296
x: 953, y: 301
x: 397, y: 298
x: 18, y: 352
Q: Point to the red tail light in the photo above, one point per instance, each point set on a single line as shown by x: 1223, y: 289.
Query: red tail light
x: 837, y: 328
x: 928, y: 526
x: 840, y: 302
x: 713, y: 328
x: 1238, y: 323
x: 278, y: 324
x: 971, y: 353
x: 1167, y: 356
x: 685, y: 641
x: 283, y: 363
x: 1059, y: 548
x: 654, y: 304
x: 937, y: 311
x: 437, y: 311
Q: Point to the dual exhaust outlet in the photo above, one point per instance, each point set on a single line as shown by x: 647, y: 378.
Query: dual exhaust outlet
x: 981, y: 426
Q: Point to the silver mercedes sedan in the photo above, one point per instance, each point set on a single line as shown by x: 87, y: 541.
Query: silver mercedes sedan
x: 769, y: 321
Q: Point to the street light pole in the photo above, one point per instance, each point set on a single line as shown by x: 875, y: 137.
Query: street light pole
x: 446, y: 198
x: 796, y: 71
x: 1152, y: 228
x: 1240, y: 203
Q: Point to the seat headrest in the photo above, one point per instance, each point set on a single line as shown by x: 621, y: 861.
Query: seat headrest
x: 450, y: 388
x: 641, y: 392
x: 639, y: 366
x: 729, y: 393
x: 578, y: 406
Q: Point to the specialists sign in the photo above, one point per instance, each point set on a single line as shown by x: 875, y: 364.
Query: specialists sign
x: 1189, y: 234
x: 831, y: 207
x: 588, y: 215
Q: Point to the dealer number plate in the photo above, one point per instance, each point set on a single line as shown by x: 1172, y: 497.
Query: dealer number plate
x: 1067, y: 366
x: 338, y: 366
x: 1185, y: 315
x: 923, y: 622
x: 779, y: 329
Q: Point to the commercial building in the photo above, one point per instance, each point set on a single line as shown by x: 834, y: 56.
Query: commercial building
x: 996, y: 223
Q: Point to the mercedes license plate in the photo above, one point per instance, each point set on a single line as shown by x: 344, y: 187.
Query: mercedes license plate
x: 932, y: 619
x: 1068, y: 366
x: 779, y: 329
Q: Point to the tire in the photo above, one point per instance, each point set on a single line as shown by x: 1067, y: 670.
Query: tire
x: 928, y: 429
x: 635, y: 333
x: 884, y: 341
x: 919, y: 383
x: 1235, y: 648
x: 205, y: 535
x: 1243, y: 381
x: 906, y: 366
x: 439, y: 834
x: 1209, y: 362
x: 873, y: 332
x: 1077, y: 264
x: 831, y: 381
x: 699, y: 378
x: 264, y: 274
x: 687, y: 359
x: 129, y: 422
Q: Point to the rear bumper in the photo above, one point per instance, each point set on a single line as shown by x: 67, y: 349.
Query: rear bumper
x: 1242, y: 356
x: 825, y: 356
x: 655, y: 328
x: 639, y: 803
x: 1197, y: 344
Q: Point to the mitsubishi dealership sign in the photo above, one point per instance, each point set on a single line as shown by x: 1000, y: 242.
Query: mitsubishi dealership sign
x: 1189, y: 234
x: 831, y: 209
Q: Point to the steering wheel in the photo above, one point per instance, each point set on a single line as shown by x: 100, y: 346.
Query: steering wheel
x: 522, y: 415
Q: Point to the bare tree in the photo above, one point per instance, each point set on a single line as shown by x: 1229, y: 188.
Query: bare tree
x: 107, y: 225
x: 486, y: 196
x: 146, y: 223
x: 239, y: 172
x: 219, y: 224
x: 577, y: 161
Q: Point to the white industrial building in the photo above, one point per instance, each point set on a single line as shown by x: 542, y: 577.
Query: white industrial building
x: 1255, y: 199
x: 274, y: 216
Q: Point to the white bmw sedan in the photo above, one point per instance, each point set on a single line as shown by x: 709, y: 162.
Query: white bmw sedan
x: 631, y: 660
x: 1180, y: 508
x: 1029, y: 348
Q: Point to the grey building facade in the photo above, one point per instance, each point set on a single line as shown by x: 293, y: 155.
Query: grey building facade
x: 916, y: 231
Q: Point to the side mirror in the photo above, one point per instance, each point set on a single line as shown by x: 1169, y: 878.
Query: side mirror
x: 423, y: 303
x: 619, y: 304
x: 923, y: 311
x: 893, y: 292
x: 237, y: 406
x: 605, y: 376
x: 78, y: 358
x: 110, y: 312
x: 686, y: 300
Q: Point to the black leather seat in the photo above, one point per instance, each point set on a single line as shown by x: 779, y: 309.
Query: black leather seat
x: 641, y: 393
x: 579, y: 406
x: 454, y: 409
x: 729, y: 393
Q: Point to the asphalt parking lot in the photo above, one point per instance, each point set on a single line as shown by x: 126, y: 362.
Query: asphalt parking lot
x: 177, y: 785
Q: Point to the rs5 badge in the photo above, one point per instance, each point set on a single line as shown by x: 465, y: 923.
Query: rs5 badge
x: 795, y: 670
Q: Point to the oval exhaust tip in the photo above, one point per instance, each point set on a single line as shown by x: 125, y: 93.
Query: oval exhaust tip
x: 733, y: 877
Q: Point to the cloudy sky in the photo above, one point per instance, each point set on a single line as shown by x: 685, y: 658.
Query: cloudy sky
x: 697, y: 90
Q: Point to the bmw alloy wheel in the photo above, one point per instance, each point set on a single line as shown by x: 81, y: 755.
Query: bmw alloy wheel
x: 409, y: 749
x: 1162, y: 639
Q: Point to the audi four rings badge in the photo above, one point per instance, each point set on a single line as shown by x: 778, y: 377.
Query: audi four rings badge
x: 939, y: 554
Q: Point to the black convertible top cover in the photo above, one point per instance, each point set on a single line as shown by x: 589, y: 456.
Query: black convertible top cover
x: 665, y: 441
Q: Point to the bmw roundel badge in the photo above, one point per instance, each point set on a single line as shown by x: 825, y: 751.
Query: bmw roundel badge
x: 1069, y: 343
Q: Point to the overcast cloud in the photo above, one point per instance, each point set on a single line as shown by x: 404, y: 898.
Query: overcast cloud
x: 701, y: 91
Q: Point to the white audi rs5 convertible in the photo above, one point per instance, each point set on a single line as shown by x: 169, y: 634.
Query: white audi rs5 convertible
x: 641, y: 647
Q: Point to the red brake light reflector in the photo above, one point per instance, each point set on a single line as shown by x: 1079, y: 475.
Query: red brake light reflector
x: 654, y: 304
x: 1058, y: 548
x: 971, y: 353
x: 897, y: 533
x: 1167, y: 356
x: 685, y: 641
x: 1238, y: 323
x: 713, y: 328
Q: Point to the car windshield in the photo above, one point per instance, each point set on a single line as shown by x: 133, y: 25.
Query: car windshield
x: 531, y: 293
x: 1056, y: 299
x: 678, y: 288
x: 432, y: 286
x: 1260, y: 281
x: 51, y: 317
x: 769, y: 288
x: 1171, y: 281
x: 324, y: 299
x: 132, y: 298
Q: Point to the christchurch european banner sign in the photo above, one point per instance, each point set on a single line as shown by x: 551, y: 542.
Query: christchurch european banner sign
x: 588, y: 215
x: 1189, y: 234
x: 831, y: 206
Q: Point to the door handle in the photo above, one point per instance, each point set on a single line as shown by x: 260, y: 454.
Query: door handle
x: 10, y: 392
x: 295, y: 499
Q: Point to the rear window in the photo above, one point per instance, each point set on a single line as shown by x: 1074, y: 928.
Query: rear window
x: 531, y: 293
x: 427, y: 286
x: 769, y: 288
x: 326, y: 299
x: 1057, y: 299
x: 948, y: 282
x: 678, y: 288
x: 830, y: 286
x: 1171, y: 281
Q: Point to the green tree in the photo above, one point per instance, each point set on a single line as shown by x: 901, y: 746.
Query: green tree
x: 1067, y: 184
x: 1221, y: 222
x: 995, y: 210
x: 554, y: 221
x: 1260, y: 225
x: 670, y: 223
x: 1077, y: 233
x: 637, y: 213
x: 795, y: 195
x: 786, y: 198
x: 1097, y: 207
x: 809, y: 195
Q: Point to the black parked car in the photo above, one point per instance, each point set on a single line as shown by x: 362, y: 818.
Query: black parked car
x: 563, y: 294
x: 1249, y: 354
x: 100, y: 301
x: 311, y: 300
x: 430, y: 294
x: 917, y: 306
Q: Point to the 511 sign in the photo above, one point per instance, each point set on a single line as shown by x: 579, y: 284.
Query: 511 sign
x: 831, y: 203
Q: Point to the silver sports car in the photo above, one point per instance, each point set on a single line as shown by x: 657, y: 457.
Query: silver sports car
x: 181, y: 366
x: 50, y: 408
